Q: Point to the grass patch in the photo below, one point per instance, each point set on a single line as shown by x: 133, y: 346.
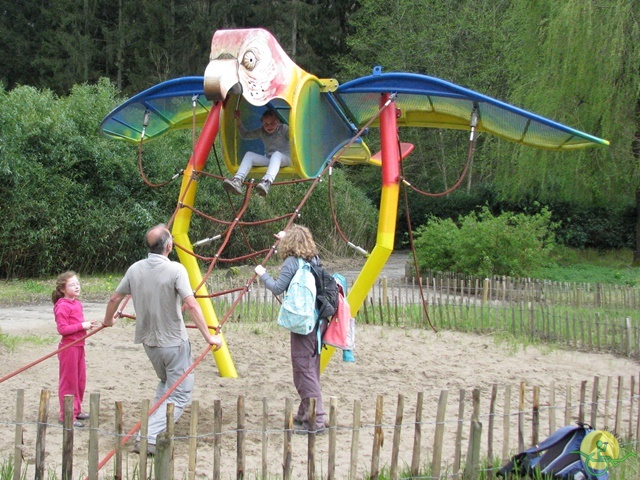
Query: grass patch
x: 96, y: 288
x: 8, y: 343
x: 591, y: 266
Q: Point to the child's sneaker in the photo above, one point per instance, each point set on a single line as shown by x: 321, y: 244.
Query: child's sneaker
x: 233, y: 185
x: 263, y: 187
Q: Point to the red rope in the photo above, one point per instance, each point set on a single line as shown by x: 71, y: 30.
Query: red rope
x: 458, y: 182
x: 415, y: 258
x: 155, y: 407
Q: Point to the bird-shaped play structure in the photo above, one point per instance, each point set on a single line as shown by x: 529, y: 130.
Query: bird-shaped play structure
x: 248, y: 71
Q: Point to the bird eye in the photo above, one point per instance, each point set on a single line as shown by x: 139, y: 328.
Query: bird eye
x: 249, y: 60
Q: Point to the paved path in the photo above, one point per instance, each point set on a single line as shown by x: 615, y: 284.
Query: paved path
x: 394, y: 268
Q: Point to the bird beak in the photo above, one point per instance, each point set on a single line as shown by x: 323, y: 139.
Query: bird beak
x: 221, y: 78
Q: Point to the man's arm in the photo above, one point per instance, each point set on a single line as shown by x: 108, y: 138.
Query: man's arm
x: 195, y: 312
x: 112, y: 308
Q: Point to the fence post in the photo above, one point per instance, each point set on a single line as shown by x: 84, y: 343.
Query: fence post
x: 333, y: 422
x: 18, y: 441
x: 144, y: 436
x: 217, y: 437
x: 506, y: 423
x: 485, y: 290
x: 492, y: 411
x: 67, y: 438
x: 632, y: 390
x: 94, y: 423
x: 288, y: 431
x: 552, y: 407
x: 417, y: 437
x: 475, y: 436
x: 607, y: 401
x: 119, y: 428
x: 171, y: 427
x: 458, y: 446
x: 378, y: 438
x: 265, y: 438
x: 241, y: 419
x: 193, y: 439
x: 436, y: 464
x: 162, y: 460
x: 567, y: 407
x: 523, y: 386
x: 619, y: 406
x: 594, y: 401
x: 355, y: 436
x: 397, y: 430
x: 311, y: 440
x: 535, y: 416
x: 41, y: 435
x: 583, y: 399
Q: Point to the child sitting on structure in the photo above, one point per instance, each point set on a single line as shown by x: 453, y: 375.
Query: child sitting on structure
x: 275, y: 137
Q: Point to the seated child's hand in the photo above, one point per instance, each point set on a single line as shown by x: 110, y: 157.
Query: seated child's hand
x: 260, y: 270
x: 281, y: 234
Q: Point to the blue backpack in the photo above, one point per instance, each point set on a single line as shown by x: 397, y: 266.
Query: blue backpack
x: 298, y: 310
x: 556, y: 457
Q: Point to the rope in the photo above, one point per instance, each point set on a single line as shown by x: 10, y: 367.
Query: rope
x: 155, y: 407
x: 336, y: 157
x: 472, y: 143
x: 145, y: 122
x: 415, y: 258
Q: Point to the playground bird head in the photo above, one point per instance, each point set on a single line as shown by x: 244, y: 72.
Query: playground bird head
x: 251, y: 62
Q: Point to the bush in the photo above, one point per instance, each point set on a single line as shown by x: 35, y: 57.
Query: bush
x: 603, y: 227
x: 482, y: 244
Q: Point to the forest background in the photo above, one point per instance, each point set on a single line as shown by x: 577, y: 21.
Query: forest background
x: 70, y: 198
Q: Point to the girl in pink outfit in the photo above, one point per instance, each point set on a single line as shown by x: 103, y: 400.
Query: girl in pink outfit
x: 72, y: 326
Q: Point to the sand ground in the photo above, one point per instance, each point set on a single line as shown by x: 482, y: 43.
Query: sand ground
x: 389, y: 362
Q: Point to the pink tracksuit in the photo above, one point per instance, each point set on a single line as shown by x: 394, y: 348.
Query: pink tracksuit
x: 73, y: 372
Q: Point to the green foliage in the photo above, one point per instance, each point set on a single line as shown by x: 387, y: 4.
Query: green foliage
x: 579, y: 225
x: 8, y: 343
x: 486, y: 245
x: 597, y: 93
x: 74, y: 200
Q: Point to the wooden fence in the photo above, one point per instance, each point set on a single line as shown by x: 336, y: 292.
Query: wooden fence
x: 578, y: 316
x: 449, y: 438
x: 453, y: 288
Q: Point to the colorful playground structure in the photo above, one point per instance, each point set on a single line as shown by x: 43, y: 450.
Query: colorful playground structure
x: 250, y: 72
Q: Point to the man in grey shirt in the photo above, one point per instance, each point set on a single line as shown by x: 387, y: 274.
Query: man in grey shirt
x: 158, y: 287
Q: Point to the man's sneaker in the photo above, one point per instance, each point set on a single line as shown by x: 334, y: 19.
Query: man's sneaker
x: 263, y: 188
x: 233, y: 186
x: 151, y: 449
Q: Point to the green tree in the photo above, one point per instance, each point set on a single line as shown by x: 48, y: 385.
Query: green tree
x: 576, y: 62
x: 423, y: 37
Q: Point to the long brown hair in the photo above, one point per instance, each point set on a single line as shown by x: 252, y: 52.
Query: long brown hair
x: 61, y: 283
x: 298, y: 242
